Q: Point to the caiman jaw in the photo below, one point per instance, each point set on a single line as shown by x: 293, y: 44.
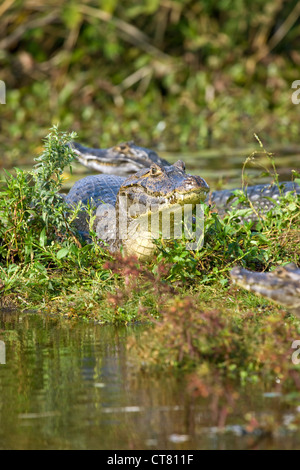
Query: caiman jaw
x: 190, y: 197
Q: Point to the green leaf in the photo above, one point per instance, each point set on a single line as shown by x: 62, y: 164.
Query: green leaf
x: 43, y: 238
x: 62, y: 253
x: 292, y: 206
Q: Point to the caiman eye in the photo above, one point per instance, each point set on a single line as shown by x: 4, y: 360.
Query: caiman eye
x: 155, y: 170
x: 180, y: 164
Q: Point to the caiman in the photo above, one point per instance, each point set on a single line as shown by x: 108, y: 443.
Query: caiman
x: 281, y: 285
x: 127, y: 210
x: 123, y: 159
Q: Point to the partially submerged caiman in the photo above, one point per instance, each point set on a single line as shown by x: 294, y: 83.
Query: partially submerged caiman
x: 123, y: 160
x: 281, y: 285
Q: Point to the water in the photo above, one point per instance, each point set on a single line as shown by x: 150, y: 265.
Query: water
x: 221, y: 168
x: 70, y: 385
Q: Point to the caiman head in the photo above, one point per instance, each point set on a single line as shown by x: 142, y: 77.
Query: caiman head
x: 165, y: 185
x: 147, y: 194
x: 281, y: 285
x: 123, y: 159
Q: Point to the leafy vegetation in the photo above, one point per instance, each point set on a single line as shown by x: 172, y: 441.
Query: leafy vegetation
x: 172, y: 74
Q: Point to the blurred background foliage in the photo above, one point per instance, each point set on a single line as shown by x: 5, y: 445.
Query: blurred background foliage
x: 169, y: 74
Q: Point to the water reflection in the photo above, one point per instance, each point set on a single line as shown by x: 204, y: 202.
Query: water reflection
x: 68, y: 385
